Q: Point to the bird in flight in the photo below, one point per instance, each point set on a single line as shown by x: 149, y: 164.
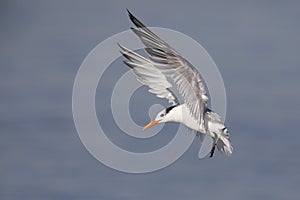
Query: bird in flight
x: 164, y: 65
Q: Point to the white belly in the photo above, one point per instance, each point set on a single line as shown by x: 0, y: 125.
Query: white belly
x: 181, y: 114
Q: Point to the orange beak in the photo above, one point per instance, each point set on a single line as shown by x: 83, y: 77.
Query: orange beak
x: 152, y: 123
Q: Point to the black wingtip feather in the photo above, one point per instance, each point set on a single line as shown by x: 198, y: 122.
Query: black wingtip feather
x: 121, y: 47
x: 126, y: 56
x: 128, y: 63
x: 129, y: 13
x: 135, y: 20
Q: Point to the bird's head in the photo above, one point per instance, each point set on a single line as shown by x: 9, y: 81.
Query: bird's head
x: 161, y: 117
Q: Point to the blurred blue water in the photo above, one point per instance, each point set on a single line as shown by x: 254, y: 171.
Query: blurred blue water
x: 256, y: 47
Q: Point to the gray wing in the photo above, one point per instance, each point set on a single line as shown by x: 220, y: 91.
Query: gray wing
x: 149, y: 75
x: 187, y: 79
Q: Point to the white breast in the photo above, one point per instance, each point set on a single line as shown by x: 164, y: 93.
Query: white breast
x: 181, y: 114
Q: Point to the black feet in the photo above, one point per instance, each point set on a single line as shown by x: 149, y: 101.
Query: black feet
x: 212, y: 151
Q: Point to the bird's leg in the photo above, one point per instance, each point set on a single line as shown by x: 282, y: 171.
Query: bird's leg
x: 212, y: 151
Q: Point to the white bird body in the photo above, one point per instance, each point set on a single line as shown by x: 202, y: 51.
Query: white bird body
x: 165, y: 63
x: 215, y: 128
x: 181, y: 114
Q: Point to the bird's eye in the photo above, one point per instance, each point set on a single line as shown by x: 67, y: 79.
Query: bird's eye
x: 161, y: 115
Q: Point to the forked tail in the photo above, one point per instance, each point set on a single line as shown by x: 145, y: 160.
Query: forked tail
x: 223, y: 142
x: 218, y: 131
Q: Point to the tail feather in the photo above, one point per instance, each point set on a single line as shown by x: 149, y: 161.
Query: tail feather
x: 224, y: 144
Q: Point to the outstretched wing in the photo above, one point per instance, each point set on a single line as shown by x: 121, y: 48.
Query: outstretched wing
x: 170, y: 63
x: 149, y: 75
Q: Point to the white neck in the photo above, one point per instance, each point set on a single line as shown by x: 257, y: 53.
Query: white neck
x: 181, y: 114
x: 175, y: 115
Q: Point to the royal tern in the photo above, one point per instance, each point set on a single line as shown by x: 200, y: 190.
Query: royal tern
x: 163, y: 64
